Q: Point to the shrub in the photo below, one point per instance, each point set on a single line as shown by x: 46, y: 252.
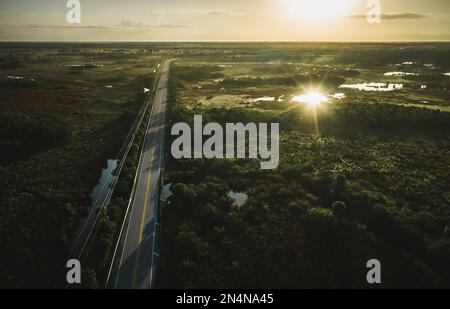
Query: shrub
x: 339, y: 208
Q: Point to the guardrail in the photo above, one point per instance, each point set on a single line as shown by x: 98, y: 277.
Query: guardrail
x: 133, y: 192
x: 85, y: 238
x: 114, y: 266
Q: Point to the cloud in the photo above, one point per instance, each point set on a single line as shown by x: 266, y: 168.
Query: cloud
x: 131, y: 24
x: 11, y: 18
x: 157, y: 20
x: 218, y: 13
x: 400, y: 16
x: 124, y: 26
x: 38, y: 26
x: 126, y: 23
x: 15, y: 14
x: 56, y: 27
x: 169, y: 26
x: 226, y: 13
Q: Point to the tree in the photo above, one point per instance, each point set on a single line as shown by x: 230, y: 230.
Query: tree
x: 89, y: 279
x: 340, y: 183
x: 339, y: 209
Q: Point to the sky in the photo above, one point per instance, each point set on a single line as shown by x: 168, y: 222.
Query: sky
x: 224, y: 20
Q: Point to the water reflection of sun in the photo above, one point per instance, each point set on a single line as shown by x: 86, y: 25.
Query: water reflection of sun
x: 312, y: 99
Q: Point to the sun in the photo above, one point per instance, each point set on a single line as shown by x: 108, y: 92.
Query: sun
x: 316, y: 10
x: 313, y: 99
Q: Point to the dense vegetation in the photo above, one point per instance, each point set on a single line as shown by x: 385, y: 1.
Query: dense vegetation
x: 21, y: 134
x: 370, y: 181
x: 56, y: 136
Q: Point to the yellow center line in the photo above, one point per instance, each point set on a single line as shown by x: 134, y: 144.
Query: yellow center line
x: 143, y: 215
x: 141, y: 230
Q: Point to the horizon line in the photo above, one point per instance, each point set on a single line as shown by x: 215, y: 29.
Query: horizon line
x: 229, y: 41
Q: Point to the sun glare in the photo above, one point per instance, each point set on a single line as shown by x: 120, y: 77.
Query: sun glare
x: 312, y: 99
x: 317, y: 10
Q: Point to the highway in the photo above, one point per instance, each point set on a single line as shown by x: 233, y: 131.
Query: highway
x: 137, y: 253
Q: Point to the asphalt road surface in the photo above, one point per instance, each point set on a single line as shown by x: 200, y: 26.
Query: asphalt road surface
x: 138, y: 254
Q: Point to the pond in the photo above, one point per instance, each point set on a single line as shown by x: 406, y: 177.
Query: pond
x: 373, y: 87
x: 100, y: 191
x: 316, y: 98
x: 400, y: 74
x: 98, y: 197
x: 239, y: 198
x: 14, y: 77
x: 166, y: 192
x: 263, y: 99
